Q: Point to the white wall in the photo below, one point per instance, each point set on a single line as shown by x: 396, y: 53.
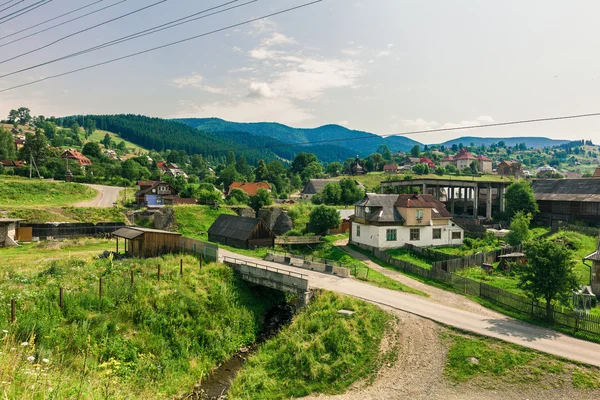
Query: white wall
x: 376, y: 236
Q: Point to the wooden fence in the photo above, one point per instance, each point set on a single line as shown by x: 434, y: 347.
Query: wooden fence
x: 568, y: 318
x: 70, y: 230
x: 209, y: 251
x: 284, y: 240
x: 456, y: 264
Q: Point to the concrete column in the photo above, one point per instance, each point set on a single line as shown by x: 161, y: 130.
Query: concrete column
x: 424, y: 189
x: 466, y: 201
x: 475, y: 201
x: 451, y: 199
x: 437, y: 192
x: 501, y: 196
x: 488, y: 205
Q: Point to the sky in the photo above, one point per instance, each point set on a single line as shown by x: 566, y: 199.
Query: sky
x: 382, y: 66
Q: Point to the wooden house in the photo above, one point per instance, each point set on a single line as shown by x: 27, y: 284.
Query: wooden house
x: 75, y: 155
x: 154, y: 194
x: 568, y: 199
x: 145, y: 243
x: 241, y: 232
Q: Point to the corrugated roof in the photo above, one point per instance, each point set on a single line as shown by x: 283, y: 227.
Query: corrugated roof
x: 345, y: 214
x: 10, y: 220
x: 314, y: 186
x: 250, y: 188
x: 585, y: 190
x: 382, y: 207
x: 235, y: 227
x: 133, y: 232
x: 595, y: 256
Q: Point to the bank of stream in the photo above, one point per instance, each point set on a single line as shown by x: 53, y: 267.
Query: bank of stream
x: 216, y: 385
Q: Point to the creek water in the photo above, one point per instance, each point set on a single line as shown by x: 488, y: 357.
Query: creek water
x: 216, y: 385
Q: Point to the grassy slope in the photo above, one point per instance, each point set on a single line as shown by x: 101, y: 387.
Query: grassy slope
x: 98, y: 135
x: 413, y: 258
x: 194, y: 221
x: 503, y: 363
x: 151, y: 341
x: 322, y: 351
x: 33, y: 193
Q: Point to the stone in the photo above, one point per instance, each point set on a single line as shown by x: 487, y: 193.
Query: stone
x: 473, y: 360
x: 346, y: 313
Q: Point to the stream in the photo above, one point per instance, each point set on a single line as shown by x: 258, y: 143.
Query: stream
x: 216, y: 385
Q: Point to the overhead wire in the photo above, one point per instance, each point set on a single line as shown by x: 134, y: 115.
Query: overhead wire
x: 9, y: 7
x: 63, y: 23
x: 8, y: 2
x: 24, y: 10
x: 284, y: 11
x: 137, y: 35
x: 83, y: 30
x: 51, y: 19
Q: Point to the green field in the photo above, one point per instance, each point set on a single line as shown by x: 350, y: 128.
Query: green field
x: 322, y: 351
x: 35, y: 193
x: 410, y: 257
x: 98, y: 135
x: 194, y: 221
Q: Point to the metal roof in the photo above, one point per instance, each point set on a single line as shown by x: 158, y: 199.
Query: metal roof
x: 381, y: 207
x: 133, y: 232
x: 595, y: 256
x: 235, y: 227
x: 9, y: 220
x: 586, y: 190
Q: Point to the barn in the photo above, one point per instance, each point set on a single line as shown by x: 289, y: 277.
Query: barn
x: 144, y: 242
x: 568, y: 199
x: 241, y: 232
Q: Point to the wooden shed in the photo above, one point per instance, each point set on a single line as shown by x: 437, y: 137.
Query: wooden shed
x: 144, y: 242
x: 241, y: 232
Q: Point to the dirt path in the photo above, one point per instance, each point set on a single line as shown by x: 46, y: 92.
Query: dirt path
x: 438, y: 295
x: 107, y: 197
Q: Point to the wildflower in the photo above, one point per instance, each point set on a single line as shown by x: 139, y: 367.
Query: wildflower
x: 31, y: 359
x: 4, y: 330
x: 13, y: 348
x: 50, y: 390
x: 25, y: 344
x: 45, y: 360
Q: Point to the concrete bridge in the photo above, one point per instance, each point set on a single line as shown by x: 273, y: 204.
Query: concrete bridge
x: 271, y: 277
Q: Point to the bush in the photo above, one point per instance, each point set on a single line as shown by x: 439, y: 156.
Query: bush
x: 322, y: 218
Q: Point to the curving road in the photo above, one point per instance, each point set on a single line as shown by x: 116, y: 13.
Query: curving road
x: 107, y: 197
x: 500, y: 327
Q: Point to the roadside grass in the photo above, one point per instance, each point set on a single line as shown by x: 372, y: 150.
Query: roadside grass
x: 68, y: 214
x: 149, y: 340
x: 194, y: 221
x: 32, y: 193
x: 37, y: 216
x: 408, y: 256
x: 499, y: 363
x: 321, y: 351
x: 504, y: 281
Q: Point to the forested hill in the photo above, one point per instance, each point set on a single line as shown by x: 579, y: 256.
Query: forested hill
x: 345, y: 138
x: 161, y: 134
x: 530, y: 142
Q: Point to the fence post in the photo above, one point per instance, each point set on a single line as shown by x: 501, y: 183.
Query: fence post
x: 60, y: 298
x: 367, y: 278
x: 577, y: 322
x: 158, y: 272
x: 181, y: 267
x: 132, y: 277
x: 12, y: 311
x: 201, y: 257
x: 532, y: 300
x: 100, y: 287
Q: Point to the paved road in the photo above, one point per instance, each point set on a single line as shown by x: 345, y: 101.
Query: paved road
x: 504, y: 328
x: 107, y: 197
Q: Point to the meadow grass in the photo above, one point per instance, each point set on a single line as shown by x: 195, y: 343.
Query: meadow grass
x: 321, y: 351
x: 98, y: 136
x: 411, y: 257
x: 35, y: 193
x: 194, y: 221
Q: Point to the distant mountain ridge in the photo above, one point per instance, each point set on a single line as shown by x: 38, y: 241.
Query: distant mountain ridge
x: 531, y: 141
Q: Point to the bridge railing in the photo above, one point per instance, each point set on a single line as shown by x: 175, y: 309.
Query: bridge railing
x: 262, y: 266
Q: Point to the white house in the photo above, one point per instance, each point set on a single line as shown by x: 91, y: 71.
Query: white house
x: 388, y: 221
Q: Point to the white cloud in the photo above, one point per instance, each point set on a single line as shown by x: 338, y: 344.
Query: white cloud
x: 351, y: 52
x: 278, y: 39
x: 384, y: 53
x: 260, y: 89
x: 371, y: 62
x: 421, y: 124
x: 196, y: 81
x: 262, y: 53
x: 262, y: 26
x: 485, y: 119
x: 390, y: 45
x: 236, y: 49
x: 343, y: 122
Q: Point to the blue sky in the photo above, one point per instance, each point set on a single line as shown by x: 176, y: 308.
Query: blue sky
x: 383, y: 66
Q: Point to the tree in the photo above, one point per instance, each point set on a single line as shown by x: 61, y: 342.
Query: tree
x: 351, y: 192
x: 415, y: 151
x: 420, y: 169
x: 301, y: 161
x: 260, y: 200
x: 7, y: 145
x: 92, y: 149
x: 548, y: 273
x: 13, y: 117
x: 322, y: 218
x: 106, y: 141
x: 519, y: 197
x: 334, y: 168
x: 519, y: 229
x: 331, y: 194
x: 24, y: 115
x: 237, y: 196
x: 312, y: 170
x: 261, y: 173
x: 36, y: 147
x: 90, y: 127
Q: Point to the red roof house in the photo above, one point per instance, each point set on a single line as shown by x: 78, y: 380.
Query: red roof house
x: 428, y: 162
x: 72, y: 154
x: 250, y: 188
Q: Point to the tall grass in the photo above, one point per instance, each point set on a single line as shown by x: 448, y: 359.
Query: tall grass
x: 321, y: 351
x: 33, y: 193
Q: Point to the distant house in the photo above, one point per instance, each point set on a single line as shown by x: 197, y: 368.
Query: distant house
x: 19, y: 143
x: 412, y: 161
x: 448, y: 160
x: 314, y: 186
x: 485, y: 164
x: 75, y: 155
x: 356, y: 168
x: 155, y: 194
x: 241, y: 232
x: 572, y: 175
x: 173, y: 170
x: 8, y: 231
x: 390, y: 169
x: 12, y: 163
x: 387, y: 221
x: 428, y: 162
x: 250, y: 188
x: 346, y: 217
x: 464, y: 159
x: 595, y: 259
x: 143, y: 242
x: 510, y: 168
x: 567, y: 199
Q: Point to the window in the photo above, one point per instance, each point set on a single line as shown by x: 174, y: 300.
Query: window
x: 456, y: 235
x: 391, y: 235
x: 419, y: 214
x: 415, y: 234
x: 437, y: 234
x: 357, y: 230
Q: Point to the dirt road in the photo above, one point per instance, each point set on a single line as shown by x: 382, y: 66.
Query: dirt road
x: 107, y: 197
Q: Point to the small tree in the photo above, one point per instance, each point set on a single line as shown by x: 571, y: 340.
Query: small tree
x: 519, y: 229
x: 106, y: 141
x: 260, y: 200
x: 519, y: 197
x: 420, y: 169
x: 322, y: 218
x: 237, y: 196
x: 332, y: 193
x: 92, y: 149
x: 415, y: 151
x: 548, y: 273
x: 351, y: 192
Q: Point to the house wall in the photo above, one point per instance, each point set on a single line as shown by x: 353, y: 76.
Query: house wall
x: 596, y: 277
x: 376, y: 236
x: 410, y: 216
x: 462, y: 164
x: 485, y: 166
x: 444, y: 164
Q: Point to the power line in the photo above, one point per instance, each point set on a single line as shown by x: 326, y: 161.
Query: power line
x: 163, y: 46
x: 140, y: 34
x: 49, y: 20
x: 62, y: 23
x: 518, y: 122
x: 8, y: 2
x: 83, y: 30
x: 24, y: 10
x: 4, y: 9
